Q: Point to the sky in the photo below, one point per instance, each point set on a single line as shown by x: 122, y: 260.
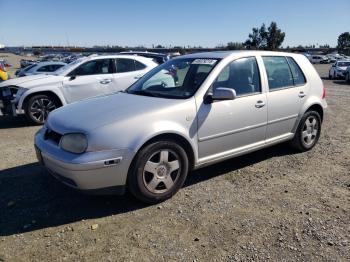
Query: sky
x: 205, y: 23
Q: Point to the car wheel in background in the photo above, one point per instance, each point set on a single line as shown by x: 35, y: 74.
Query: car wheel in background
x: 158, y: 171
x: 308, y: 132
x: 38, y: 107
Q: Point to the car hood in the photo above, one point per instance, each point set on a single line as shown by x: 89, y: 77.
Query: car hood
x: 342, y: 68
x: 87, y: 115
x: 32, y: 81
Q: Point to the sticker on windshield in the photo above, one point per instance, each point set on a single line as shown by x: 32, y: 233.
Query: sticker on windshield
x: 204, y: 61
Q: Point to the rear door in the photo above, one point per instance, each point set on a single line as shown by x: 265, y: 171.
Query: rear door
x: 287, y: 92
x: 128, y: 71
x: 92, y: 78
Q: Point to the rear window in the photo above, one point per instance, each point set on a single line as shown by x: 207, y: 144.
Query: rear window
x: 278, y: 72
x: 343, y: 63
x: 125, y: 65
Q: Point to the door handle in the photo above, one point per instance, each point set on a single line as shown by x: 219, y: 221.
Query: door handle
x: 105, y: 81
x: 260, y: 104
x: 137, y: 77
x: 302, y: 94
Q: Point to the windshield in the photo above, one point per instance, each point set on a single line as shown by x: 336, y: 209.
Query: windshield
x: 343, y: 63
x: 29, y: 67
x: 177, y: 78
x: 66, y: 69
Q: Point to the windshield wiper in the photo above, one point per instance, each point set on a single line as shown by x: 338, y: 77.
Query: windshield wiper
x: 142, y: 93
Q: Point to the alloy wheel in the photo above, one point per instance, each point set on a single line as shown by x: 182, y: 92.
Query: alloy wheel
x: 310, y: 131
x: 40, y: 108
x: 161, y: 171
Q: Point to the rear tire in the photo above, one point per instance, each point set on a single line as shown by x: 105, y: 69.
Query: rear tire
x: 158, y: 171
x: 38, y: 107
x: 308, y: 132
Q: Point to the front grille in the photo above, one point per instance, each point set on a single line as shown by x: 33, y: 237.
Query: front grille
x: 52, y: 135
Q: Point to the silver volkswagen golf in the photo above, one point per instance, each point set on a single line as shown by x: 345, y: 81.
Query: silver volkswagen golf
x: 190, y: 112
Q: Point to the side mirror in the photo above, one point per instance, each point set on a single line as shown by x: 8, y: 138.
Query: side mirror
x: 72, y: 77
x: 220, y: 94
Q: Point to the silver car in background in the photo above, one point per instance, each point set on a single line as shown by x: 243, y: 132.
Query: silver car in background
x: 40, y: 68
x: 192, y: 111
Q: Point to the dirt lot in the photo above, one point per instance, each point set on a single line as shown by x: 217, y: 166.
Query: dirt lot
x: 270, y: 205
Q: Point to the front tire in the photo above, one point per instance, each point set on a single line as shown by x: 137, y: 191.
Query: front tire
x: 308, y: 132
x: 38, y: 107
x: 158, y: 171
x: 347, y: 78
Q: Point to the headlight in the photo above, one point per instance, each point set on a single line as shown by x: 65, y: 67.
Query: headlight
x: 74, y: 143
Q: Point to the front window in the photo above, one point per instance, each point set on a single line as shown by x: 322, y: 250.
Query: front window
x: 343, y: 64
x: 94, y: 67
x: 242, y: 75
x: 178, y: 78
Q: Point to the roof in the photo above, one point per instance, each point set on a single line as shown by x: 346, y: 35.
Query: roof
x: 224, y: 54
x: 143, y: 53
x: 51, y: 63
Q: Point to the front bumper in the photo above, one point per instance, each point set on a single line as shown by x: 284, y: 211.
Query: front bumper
x: 340, y: 74
x: 8, y: 101
x: 101, y: 172
x: 8, y: 107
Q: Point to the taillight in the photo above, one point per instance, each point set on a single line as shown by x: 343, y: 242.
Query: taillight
x: 324, y: 93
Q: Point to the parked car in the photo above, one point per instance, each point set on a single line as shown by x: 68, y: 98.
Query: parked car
x: 26, y: 62
x: 338, y: 69
x: 147, y: 138
x: 38, y: 95
x: 157, y: 57
x: 3, y: 72
x: 318, y: 59
x: 40, y: 68
x: 347, y: 74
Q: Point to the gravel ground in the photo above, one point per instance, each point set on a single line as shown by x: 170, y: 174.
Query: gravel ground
x: 270, y: 205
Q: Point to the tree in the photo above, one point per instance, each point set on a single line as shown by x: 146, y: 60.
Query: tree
x: 274, y: 37
x: 344, y: 41
x: 262, y: 38
x: 254, y: 39
x: 235, y: 46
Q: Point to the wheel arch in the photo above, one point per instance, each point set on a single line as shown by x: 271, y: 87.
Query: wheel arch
x: 24, y: 100
x: 186, y: 145
x: 318, y: 108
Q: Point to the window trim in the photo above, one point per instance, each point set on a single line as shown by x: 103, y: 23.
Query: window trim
x: 243, y: 95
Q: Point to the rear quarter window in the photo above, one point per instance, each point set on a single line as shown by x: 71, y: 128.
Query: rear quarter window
x: 298, y: 75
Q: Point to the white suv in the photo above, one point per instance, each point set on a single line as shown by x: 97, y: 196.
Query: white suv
x: 38, y: 95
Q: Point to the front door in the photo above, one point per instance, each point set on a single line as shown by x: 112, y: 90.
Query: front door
x: 227, y: 127
x: 90, y: 79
